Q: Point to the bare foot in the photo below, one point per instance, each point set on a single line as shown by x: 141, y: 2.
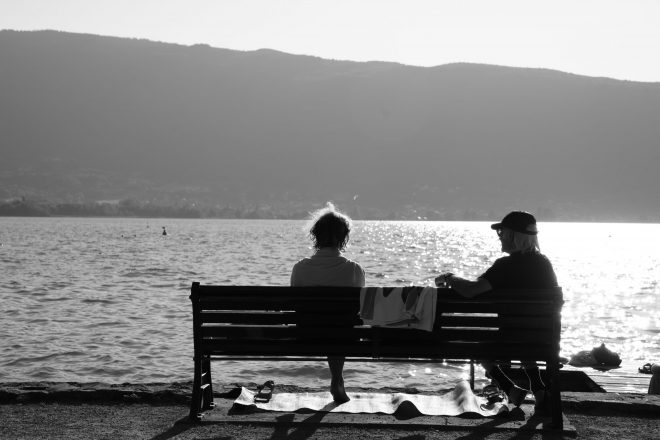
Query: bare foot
x: 338, y: 392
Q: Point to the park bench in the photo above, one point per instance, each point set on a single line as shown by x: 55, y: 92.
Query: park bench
x: 309, y: 323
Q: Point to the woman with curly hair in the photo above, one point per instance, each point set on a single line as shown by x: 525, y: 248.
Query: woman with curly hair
x: 329, y: 231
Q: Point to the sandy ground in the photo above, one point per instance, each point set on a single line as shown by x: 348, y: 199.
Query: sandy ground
x: 155, y: 412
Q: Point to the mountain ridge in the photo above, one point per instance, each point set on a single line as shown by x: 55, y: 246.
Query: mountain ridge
x: 267, y: 127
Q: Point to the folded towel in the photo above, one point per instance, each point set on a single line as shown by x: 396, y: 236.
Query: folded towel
x: 386, y: 307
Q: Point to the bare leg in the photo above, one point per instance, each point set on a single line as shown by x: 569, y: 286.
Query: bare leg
x: 534, y: 375
x: 337, y: 390
x: 538, y: 388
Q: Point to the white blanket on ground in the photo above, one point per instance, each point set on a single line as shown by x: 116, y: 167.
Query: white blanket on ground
x: 417, y: 311
x: 460, y: 400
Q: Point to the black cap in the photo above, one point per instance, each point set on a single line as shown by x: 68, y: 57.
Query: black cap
x: 519, y: 221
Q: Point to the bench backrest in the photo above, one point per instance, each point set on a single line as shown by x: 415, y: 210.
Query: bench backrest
x: 319, y: 321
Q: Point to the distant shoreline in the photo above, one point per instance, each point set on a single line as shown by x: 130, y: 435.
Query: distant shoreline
x: 130, y: 208
x: 440, y: 219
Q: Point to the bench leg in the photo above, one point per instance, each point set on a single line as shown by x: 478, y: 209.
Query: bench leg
x: 555, y: 396
x: 207, y: 384
x: 196, y: 401
x: 202, y: 393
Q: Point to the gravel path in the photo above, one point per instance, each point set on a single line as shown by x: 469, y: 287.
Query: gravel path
x: 156, y: 411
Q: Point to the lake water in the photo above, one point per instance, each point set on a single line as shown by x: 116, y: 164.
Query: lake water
x: 106, y: 299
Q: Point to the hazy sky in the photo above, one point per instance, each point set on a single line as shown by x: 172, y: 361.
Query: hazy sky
x: 618, y: 39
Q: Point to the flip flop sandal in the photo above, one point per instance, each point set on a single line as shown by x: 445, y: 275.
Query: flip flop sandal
x: 646, y: 368
x: 493, y: 394
x: 265, y: 392
x: 498, y: 396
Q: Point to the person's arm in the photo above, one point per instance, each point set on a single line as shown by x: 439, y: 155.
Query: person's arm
x: 294, y: 278
x: 466, y: 288
x: 361, y: 278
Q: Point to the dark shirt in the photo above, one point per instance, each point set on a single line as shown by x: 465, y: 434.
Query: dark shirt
x: 529, y: 270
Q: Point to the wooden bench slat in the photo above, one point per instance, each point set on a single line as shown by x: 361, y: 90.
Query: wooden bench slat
x: 468, y: 335
x: 453, y: 350
x: 291, y: 297
x: 521, y: 322
x: 281, y: 304
x: 328, y: 292
x: 277, y: 332
x: 532, y: 309
x: 252, y: 317
x: 288, y: 348
x: 262, y: 317
x: 477, y: 351
x: 288, y: 304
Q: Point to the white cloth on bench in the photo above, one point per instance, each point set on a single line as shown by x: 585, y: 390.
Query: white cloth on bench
x: 387, y: 308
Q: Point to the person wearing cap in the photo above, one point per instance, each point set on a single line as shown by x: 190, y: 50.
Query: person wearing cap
x: 524, y: 268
